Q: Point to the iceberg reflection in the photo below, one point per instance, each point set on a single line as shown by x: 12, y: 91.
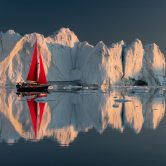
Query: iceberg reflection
x: 62, y: 116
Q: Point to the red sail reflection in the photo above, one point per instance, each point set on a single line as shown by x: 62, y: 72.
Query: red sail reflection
x: 36, y: 110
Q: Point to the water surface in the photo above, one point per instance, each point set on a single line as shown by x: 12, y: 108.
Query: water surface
x: 83, y: 128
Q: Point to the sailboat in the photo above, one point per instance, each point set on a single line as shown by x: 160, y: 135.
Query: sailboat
x: 36, y: 79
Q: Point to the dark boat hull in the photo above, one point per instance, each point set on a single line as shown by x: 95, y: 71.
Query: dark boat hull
x: 34, y: 88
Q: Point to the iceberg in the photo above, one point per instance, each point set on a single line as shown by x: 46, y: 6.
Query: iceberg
x: 66, y: 58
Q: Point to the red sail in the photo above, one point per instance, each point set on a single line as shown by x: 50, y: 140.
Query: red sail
x: 42, y: 77
x: 33, y: 113
x: 32, y: 75
x: 41, y: 106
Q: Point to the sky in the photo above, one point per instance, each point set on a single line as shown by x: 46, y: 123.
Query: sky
x: 91, y: 20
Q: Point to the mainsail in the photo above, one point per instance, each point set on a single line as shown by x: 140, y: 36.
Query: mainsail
x: 37, y: 74
x: 32, y: 75
x: 42, y: 76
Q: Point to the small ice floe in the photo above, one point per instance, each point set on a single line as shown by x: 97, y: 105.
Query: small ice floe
x: 41, y: 99
x: 85, y: 88
x: 11, y: 141
x: 52, y: 87
x: 164, y: 88
x: 72, y: 87
x: 122, y: 100
x: 115, y: 105
x: 140, y: 89
x: 161, y: 92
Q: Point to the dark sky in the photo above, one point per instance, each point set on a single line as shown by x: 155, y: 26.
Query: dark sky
x: 91, y: 20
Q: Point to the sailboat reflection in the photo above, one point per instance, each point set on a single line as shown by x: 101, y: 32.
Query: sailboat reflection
x: 36, y: 110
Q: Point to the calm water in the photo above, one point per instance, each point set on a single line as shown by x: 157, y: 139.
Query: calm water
x: 83, y: 128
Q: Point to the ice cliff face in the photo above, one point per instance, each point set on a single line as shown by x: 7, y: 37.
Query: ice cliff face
x: 66, y: 58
